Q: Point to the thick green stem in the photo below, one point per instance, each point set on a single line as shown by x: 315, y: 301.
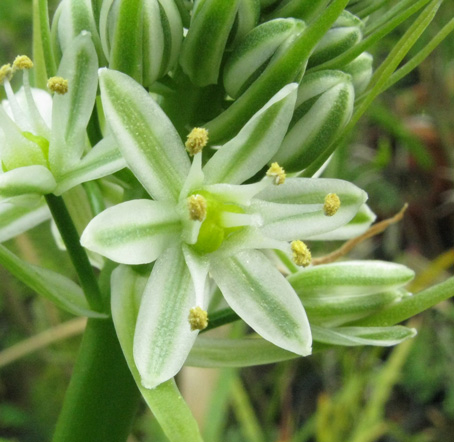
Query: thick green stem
x: 75, y: 250
x: 102, y: 397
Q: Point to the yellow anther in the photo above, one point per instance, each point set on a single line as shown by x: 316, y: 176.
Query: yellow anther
x: 198, y: 318
x: 58, y: 85
x: 197, y: 206
x: 22, y: 62
x: 197, y: 140
x: 332, y: 204
x: 6, y: 72
x: 301, y: 254
x: 277, y: 173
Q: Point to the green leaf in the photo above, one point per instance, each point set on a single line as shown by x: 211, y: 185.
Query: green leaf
x: 147, y: 139
x: 165, y: 401
x: 55, y: 287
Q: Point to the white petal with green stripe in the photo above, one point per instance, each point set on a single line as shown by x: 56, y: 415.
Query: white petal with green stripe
x: 246, y: 154
x: 165, y: 401
x: 261, y: 296
x: 134, y: 232
x: 295, y: 209
x: 147, y: 139
x: 357, y: 226
x: 71, y: 111
x: 28, y: 179
x: 104, y: 159
x: 163, y: 337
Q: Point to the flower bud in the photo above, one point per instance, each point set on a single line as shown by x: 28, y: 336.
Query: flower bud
x: 345, y: 33
x: 214, y: 24
x: 333, y: 294
x: 70, y: 19
x: 142, y: 40
x: 361, y: 71
x: 259, y: 48
x: 323, y: 106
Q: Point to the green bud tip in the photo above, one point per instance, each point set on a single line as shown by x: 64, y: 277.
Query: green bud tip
x: 197, y: 140
x: 58, y: 85
x: 6, y: 72
x: 198, y: 318
x: 331, y: 204
x: 301, y: 254
x: 197, y: 206
x: 22, y: 62
x: 277, y: 173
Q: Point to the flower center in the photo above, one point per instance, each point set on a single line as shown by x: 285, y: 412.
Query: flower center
x: 214, y: 228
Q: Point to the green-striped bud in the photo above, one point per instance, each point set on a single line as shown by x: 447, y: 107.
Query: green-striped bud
x: 324, y: 106
x: 345, y: 33
x: 204, y: 45
x: 70, y: 19
x: 262, y: 46
x: 361, y: 71
x: 303, y: 9
x: 141, y: 38
x: 246, y: 19
x: 336, y: 293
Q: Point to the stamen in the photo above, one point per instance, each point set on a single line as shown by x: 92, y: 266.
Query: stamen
x: 197, y: 140
x: 22, y: 62
x: 301, y: 254
x: 332, y: 204
x: 198, y: 318
x: 277, y: 173
x: 58, y: 85
x: 6, y: 72
x: 197, y: 205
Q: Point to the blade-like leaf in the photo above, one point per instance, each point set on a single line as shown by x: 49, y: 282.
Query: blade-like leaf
x: 16, y: 219
x: 353, y: 336
x: 60, y: 290
x: 134, y: 232
x: 262, y: 297
x: 147, y: 139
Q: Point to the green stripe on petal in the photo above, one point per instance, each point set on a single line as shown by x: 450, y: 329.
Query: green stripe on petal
x: 71, y: 111
x: 134, y: 232
x: 165, y: 401
x: 163, y: 337
x: 257, y: 142
x: 25, y: 180
x: 294, y: 209
x: 147, y: 139
x: 262, y: 297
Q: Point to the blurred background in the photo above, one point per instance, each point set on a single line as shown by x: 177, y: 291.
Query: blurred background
x: 401, y: 151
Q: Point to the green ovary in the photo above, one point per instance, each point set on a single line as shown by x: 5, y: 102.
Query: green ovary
x: 35, y: 154
x: 212, y: 233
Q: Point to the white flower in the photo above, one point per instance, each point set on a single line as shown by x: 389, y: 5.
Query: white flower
x: 203, y: 221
